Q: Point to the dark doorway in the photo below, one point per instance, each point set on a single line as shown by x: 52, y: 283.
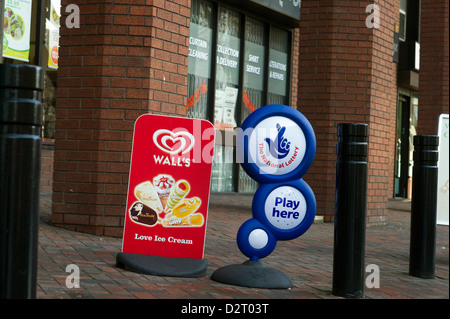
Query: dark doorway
x: 402, y: 147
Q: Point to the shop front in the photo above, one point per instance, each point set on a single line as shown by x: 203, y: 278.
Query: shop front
x: 220, y: 60
x: 203, y: 59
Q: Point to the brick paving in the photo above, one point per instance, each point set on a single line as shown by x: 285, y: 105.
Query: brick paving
x: 307, y: 260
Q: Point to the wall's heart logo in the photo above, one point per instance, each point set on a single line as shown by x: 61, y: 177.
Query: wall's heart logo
x: 173, y: 143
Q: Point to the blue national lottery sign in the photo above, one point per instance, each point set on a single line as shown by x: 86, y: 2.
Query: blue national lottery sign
x: 276, y: 147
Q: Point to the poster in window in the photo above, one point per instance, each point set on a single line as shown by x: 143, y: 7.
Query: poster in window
x: 53, y: 25
x: 231, y: 95
x: 254, y: 66
x: 200, y: 40
x: 278, y: 72
x: 16, y: 29
x: 225, y: 108
x: 228, y: 59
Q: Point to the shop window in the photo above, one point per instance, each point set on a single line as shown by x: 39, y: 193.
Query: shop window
x: 31, y: 36
x: 237, y: 63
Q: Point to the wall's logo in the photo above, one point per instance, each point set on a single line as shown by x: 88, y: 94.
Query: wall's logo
x: 279, y: 148
x: 173, y: 143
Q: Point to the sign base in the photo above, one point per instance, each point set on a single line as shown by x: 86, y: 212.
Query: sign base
x: 162, y: 266
x: 252, y: 274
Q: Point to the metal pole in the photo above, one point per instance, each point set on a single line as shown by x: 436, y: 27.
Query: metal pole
x: 350, y: 210
x: 40, y: 33
x: 20, y: 157
x: 424, y: 207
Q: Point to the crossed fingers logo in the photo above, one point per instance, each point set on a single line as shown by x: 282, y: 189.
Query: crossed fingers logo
x: 280, y: 146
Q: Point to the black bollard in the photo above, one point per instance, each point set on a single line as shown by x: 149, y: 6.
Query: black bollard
x: 350, y: 210
x: 422, y: 252
x: 21, y: 89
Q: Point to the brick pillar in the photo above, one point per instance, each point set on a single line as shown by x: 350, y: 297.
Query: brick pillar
x: 346, y: 74
x: 433, y: 74
x: 126, y: 59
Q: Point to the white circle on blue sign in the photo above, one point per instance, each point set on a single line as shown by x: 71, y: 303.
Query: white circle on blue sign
x: 255, y: 240
x: 285, y: 207
x: 277, y: 145
x: 258, y: 238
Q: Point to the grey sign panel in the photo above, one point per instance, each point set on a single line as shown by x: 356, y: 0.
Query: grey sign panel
x: 288, y: 7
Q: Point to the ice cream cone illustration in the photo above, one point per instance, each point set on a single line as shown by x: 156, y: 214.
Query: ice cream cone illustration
x: 178, y: 192
x: 163, y: 184
x: 147, y: 194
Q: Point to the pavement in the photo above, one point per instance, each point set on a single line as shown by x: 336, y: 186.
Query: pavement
x: 307, y: 260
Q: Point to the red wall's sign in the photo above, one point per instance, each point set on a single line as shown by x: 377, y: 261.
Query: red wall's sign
x: 168, y: 189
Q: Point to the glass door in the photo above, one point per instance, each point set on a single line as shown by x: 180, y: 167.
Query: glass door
x: 226, y: 100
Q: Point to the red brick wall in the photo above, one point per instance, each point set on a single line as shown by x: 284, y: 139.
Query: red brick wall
x: 295, y: 66
x: 433, y: 74
x: 128, y: 57
x: 346, y: 74
x: 317, y: 101
x: 383, y: 109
